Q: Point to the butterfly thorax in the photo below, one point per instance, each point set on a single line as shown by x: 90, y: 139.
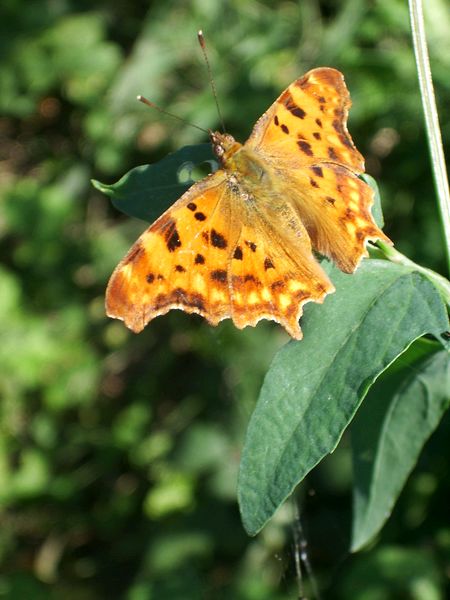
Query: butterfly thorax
x: 237, y: 158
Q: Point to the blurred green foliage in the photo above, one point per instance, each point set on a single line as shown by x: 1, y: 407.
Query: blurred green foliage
x: 119, y: 453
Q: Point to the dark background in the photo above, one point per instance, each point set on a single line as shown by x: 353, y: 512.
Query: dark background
x: 119, y: 453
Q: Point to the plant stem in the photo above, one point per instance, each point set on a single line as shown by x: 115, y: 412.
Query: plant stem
x: 442, y: 284
x: 431, y: 118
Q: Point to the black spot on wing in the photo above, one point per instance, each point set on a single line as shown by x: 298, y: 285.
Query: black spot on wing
x: 171, y: 236
x: 217, y: 239
x: 277, y: 285
x: 196, y: 301
x: 298, y: 112
x: 305, y: 147
x: 238, y: 255
x: 332, y: 154
x: 288, y: 102
x: 219, y: 275
x: 339, y: 128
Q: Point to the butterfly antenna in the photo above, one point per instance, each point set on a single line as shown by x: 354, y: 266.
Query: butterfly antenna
x: 166, y: 112
x: 202, y: 43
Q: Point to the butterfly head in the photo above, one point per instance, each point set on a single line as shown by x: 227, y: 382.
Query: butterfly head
x: 224, y: 145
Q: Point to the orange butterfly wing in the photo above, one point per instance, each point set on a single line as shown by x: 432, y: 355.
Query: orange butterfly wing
x: 273, y: 271
x: 179, y: 261
x: 304, y: 137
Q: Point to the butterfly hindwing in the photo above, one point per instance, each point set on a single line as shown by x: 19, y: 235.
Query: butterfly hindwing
x: 335, y: 205
x: 272, y: 279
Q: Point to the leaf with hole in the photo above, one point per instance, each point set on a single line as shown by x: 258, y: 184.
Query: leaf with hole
x: 147, y: 191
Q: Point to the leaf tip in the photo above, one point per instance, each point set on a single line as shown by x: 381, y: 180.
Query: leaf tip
x: 102, y: 187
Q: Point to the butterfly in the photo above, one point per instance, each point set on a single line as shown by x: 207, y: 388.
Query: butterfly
x: 241, y: 243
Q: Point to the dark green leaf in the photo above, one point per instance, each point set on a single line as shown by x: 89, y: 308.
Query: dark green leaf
x: 399, y: 414
x: 377, y: 210
x: 147, y: 191
x: 314, y: 387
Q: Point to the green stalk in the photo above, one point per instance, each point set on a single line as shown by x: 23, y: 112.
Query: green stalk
x: 442, y: 284
x: 431, y: 118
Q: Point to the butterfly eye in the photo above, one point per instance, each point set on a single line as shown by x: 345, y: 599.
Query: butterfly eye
x: 219, y: 151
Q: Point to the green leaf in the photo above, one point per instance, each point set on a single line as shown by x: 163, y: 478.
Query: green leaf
x: 314, y: 386
x: 147, y: 191
x: 401, y: 411
x: 377, y: 210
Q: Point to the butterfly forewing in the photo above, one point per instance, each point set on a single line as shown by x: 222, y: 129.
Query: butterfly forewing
x: 304, y: 137
x: 307, y: 123
x: 180, y: 261
x: 272, y: 278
